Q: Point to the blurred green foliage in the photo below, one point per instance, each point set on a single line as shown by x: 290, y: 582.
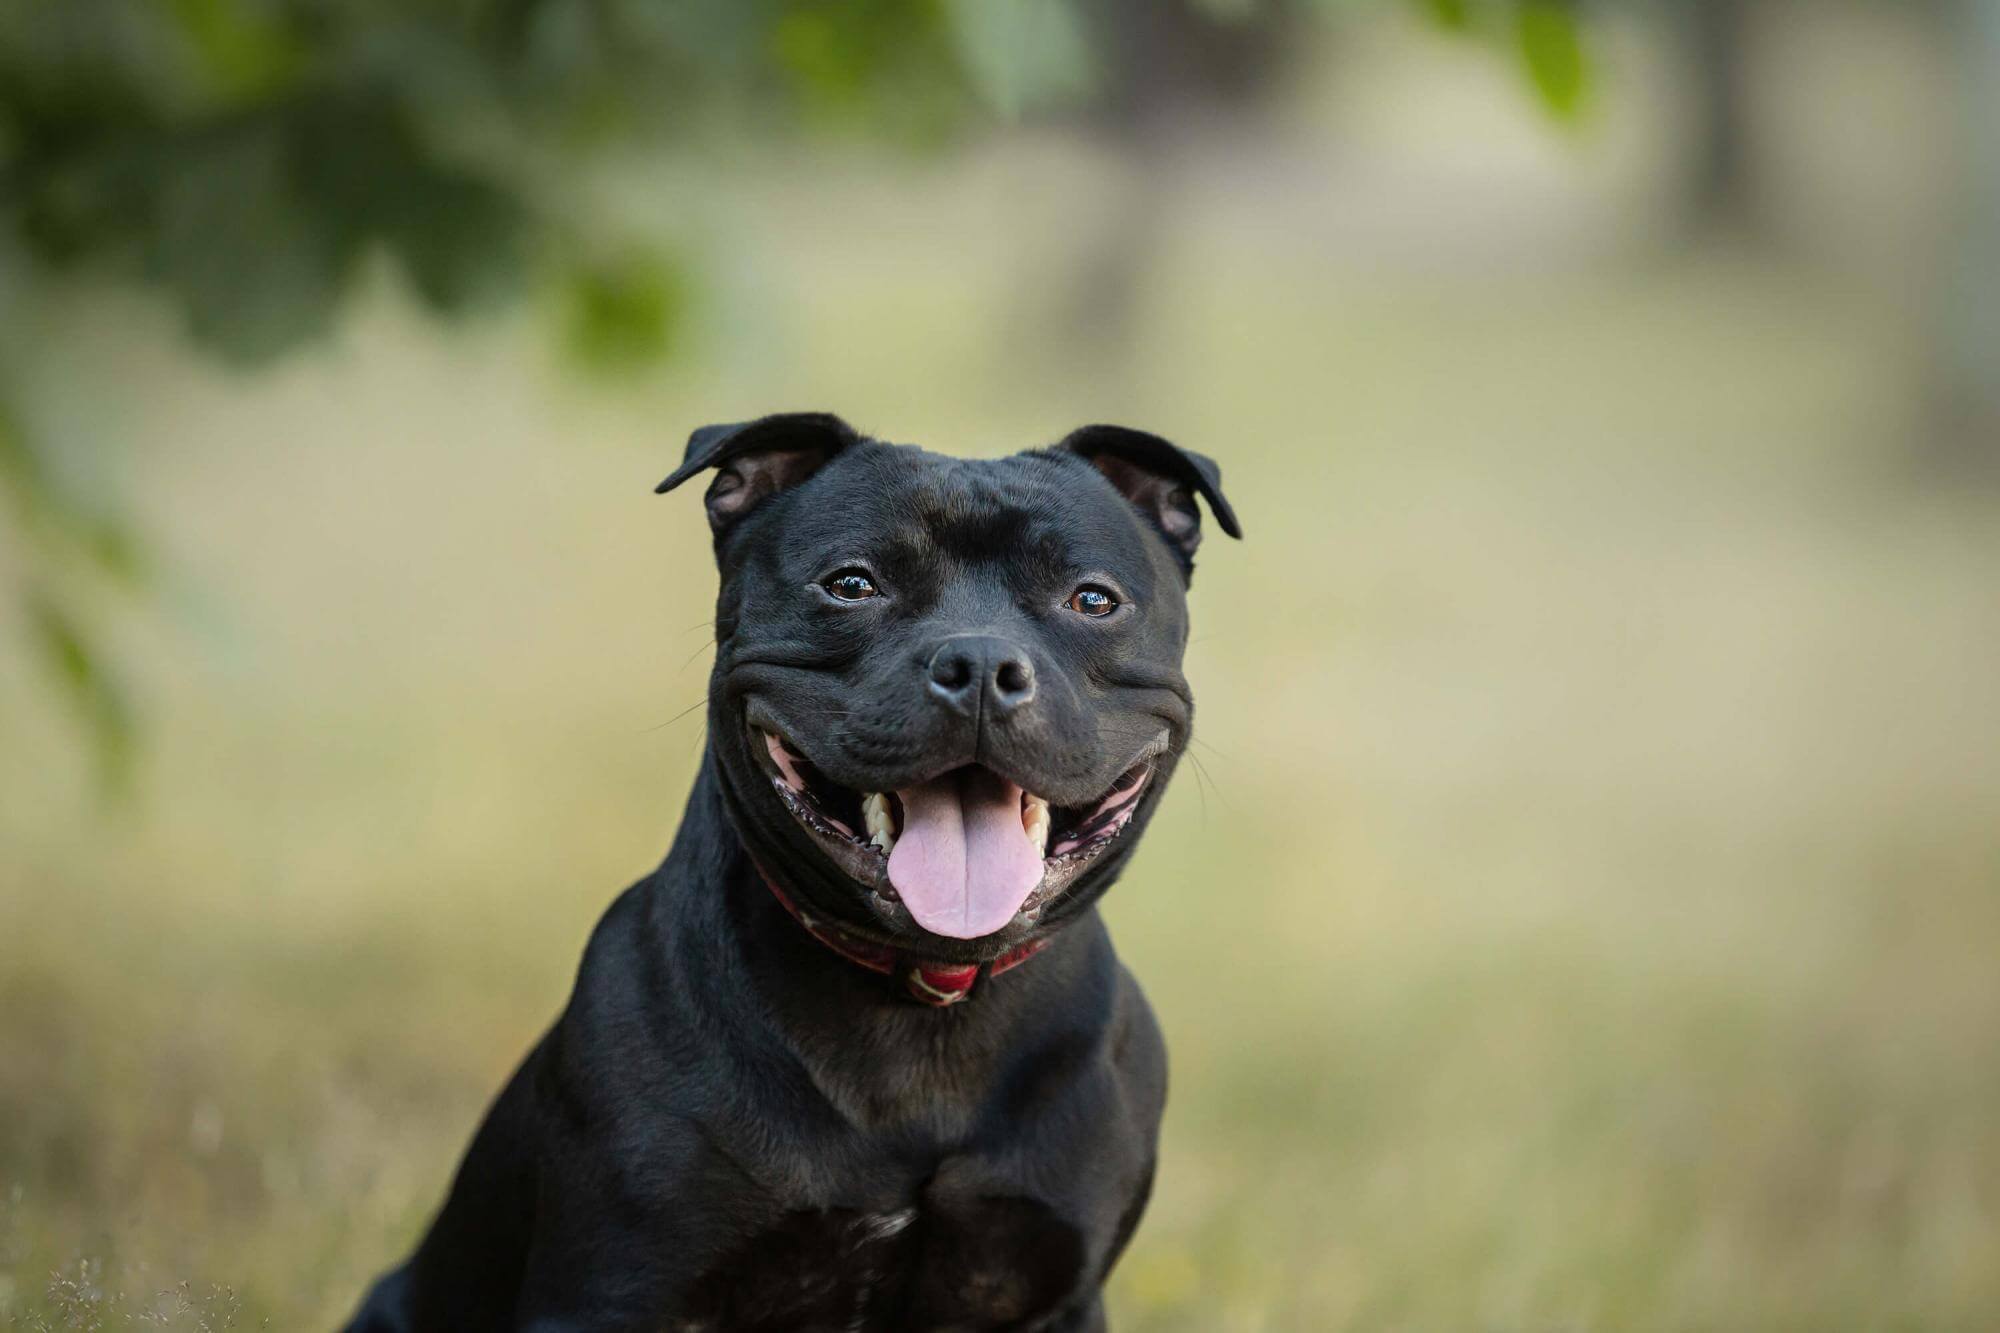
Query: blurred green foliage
x: 1552, y: 49
x: 628, y: 311
x: 247, y: 158
x: 69, y: 546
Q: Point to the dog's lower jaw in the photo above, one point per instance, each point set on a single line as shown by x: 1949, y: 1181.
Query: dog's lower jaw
x: 966, y: 856
x: 776, y: 847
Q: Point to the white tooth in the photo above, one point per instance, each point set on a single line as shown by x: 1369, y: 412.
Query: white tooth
x: 881, y: 825
x: 1035, y: 822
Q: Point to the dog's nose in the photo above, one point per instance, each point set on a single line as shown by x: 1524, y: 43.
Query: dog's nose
x: 969, y: 671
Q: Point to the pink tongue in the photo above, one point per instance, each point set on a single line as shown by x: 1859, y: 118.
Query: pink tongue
x: 963, y: 864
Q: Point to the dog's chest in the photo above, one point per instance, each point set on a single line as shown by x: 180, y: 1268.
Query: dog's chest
x: 997, y: 1263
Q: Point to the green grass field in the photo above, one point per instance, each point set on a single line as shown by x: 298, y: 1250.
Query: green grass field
x: 1583, y: 915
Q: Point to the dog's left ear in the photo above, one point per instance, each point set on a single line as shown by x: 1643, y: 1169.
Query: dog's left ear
x: 1161, y: 479
x: 757, y: 459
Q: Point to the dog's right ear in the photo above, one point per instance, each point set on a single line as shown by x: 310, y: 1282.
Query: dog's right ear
x: 757, y: 459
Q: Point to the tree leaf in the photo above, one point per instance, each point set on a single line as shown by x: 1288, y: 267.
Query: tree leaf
x: 79, y: 671
x: 19, y: 468
x: 244, y: 52
x: 1453, y: 14
x: 625, y: 313
x: 257, y: 268
x: 64, y: 528
x: 1551, y: 44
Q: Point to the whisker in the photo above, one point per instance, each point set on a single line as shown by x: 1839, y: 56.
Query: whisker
x: 1201, y: 788
x: 699, y: 703
x: 1201, y: 772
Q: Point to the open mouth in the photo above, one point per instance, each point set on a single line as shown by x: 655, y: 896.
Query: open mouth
x: 965, y: 852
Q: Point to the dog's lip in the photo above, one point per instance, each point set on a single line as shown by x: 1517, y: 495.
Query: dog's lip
x: 762, y: 718
x: 858, y: 858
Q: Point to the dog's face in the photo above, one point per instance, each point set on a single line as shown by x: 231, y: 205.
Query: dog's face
x: 947, y: 693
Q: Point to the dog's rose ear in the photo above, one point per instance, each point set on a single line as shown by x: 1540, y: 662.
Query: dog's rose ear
x: 757, y: 459
x: 1160, y: 478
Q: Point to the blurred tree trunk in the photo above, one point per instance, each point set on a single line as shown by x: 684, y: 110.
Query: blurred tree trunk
x: 1721, y: 192
x: 1964, y: 438
x: 1162, y: 65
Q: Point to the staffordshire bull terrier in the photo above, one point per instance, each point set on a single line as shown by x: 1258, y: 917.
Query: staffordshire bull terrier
x: 858, y: 1055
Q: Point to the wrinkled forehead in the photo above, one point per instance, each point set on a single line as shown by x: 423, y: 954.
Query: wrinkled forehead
x: 1038, y: 516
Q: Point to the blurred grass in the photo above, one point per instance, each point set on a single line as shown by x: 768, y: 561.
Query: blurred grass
x: 1583, y: 914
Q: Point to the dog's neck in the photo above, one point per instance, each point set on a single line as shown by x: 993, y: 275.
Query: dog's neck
x: 928, y: 981
x: 739, y: 960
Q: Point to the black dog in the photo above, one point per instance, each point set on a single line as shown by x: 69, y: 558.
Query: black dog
x: 858, y: 1055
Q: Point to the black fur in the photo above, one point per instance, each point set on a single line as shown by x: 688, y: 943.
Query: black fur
x: 732, y: 1127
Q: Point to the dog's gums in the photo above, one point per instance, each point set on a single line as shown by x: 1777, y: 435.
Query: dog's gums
x: 965, y: 852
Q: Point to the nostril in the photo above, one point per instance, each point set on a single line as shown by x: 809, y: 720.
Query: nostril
x: 954, y: 677
x: 1013, y: 678
x: 1013, y: 683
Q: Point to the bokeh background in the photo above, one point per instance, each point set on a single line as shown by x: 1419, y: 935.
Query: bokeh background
x: 1584, y: 911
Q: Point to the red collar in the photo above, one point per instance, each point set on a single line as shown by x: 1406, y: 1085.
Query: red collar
x: 933, y: 983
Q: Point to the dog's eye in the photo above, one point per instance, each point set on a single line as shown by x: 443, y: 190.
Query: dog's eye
x: 1091, y: 600
x: 850, y: 585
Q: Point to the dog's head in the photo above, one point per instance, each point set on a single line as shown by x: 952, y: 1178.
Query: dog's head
x: 947, y: 692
